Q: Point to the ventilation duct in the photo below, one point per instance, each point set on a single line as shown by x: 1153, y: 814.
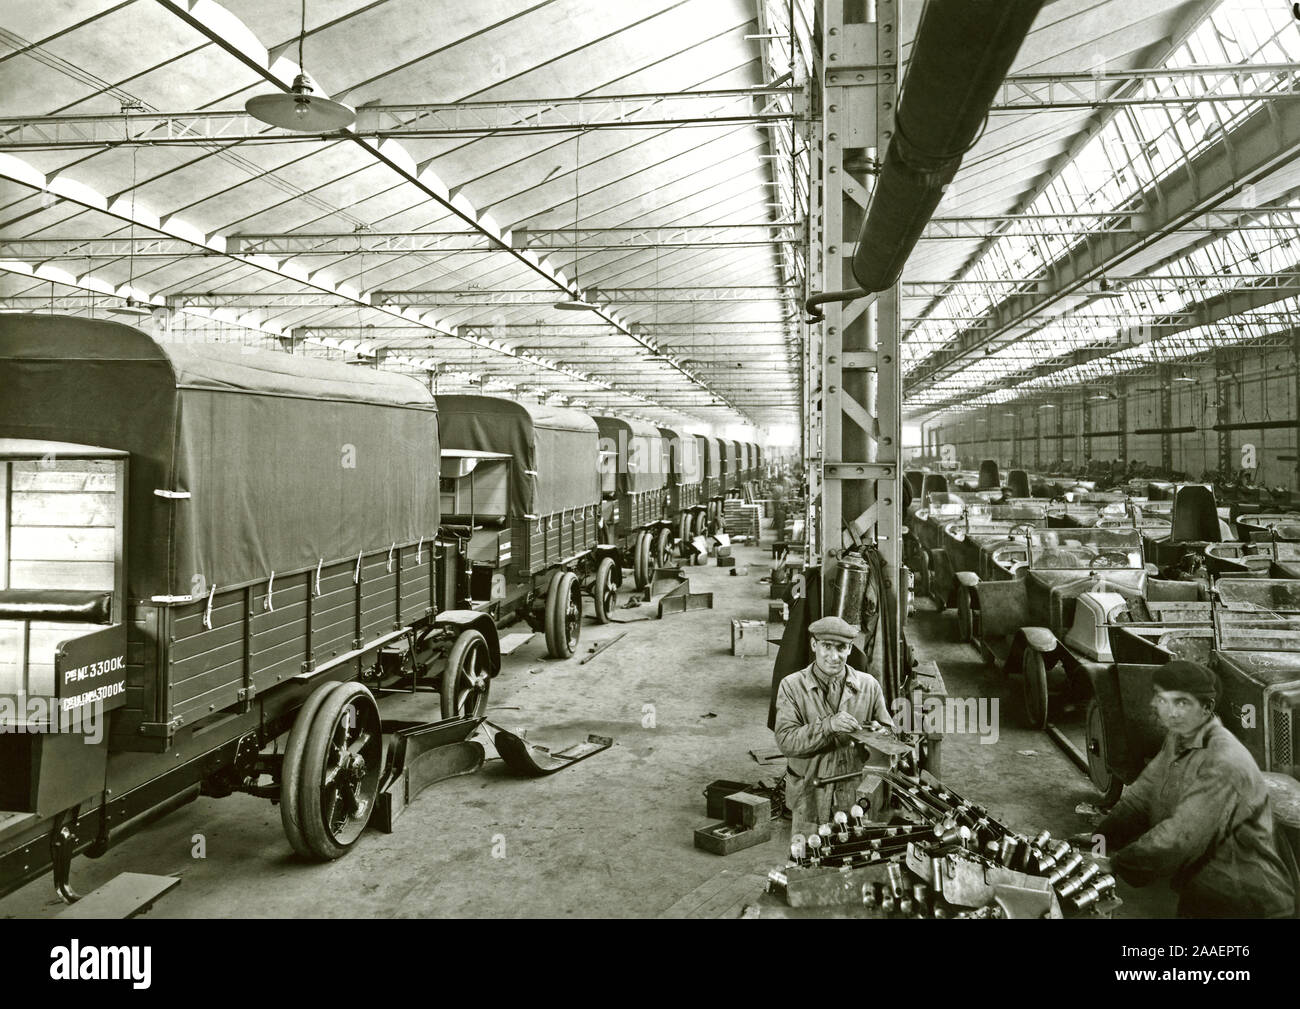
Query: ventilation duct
x: 961, y: 54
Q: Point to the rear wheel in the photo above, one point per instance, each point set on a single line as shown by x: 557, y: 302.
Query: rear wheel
x: 1108, y: 783
x: 563, y: 615
x: 641, y: 559
x: 664, y: 549
x: 291, y: 770
x: 1033, y: 668
x: 345, y: 751
x: 467, y: 678
x: 604, y: 592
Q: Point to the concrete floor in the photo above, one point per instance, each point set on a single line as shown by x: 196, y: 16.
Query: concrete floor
x: 609, y: 837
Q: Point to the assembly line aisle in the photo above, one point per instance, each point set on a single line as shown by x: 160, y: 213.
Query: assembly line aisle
x: 1018, y: 773
x: 610, y: 836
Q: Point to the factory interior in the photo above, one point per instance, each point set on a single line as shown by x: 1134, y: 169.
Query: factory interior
x: 923, y: 374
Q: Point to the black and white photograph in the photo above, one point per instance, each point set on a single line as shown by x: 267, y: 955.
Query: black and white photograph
x: 651, y: 459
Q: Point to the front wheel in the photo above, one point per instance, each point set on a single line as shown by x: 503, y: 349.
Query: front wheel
x: 467, y: 678
x: 1033, y: 668
x: 965, y: 624
x: 1109, y: 784
x: 563, y: 615
x: 922, y: 572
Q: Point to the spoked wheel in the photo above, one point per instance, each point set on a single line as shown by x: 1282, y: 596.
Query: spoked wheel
x: 604, y: 591
x: 563, y: 615
x: 1109, y: 784
x: 1034, y: 670
x: 663, y: 549
x: 965, y: 625
x: 467, y: 678
x: 684, y: 527
x: 340, y: 771
x: 641, y: 559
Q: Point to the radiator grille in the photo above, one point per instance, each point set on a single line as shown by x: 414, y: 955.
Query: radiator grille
x: 1282, y: 730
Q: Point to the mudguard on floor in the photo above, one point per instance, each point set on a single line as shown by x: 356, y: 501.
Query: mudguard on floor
x: 525, y: 759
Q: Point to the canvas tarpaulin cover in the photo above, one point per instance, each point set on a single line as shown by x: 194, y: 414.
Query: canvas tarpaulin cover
x: 287, y: 460
x: 685, y: 452
x: 554, y: 451
x: 712, y: 455
x: 726, y: 457
x: 640, y: 453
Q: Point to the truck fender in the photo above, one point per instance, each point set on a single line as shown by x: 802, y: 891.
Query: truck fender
x: 462, y: 620
x: 1041, y: 639
x: 1002, y: 605
x: 968, y: 578
x: 603, y: 550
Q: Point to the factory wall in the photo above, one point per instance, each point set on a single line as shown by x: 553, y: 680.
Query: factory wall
x: 1165, y: 419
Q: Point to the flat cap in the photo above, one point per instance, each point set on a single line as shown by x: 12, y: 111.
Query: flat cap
x: 833, y: 629
x: 1187, y: 677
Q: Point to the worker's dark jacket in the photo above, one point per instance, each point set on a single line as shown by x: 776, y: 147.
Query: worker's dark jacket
x: 1199, y: 813
x: 812, y: 750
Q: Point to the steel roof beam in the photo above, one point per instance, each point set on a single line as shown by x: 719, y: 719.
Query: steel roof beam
x: 365, y: 243
x: 214, y: 22
x: 1221, y: 309
x: 1266, y: 141
x: 717, y: 107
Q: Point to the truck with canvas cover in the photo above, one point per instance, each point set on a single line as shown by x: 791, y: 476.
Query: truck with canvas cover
x: 685, y: 468
x: 634, y: 509
x: 205, y: 546
x: 712, y: 456
x: 521, y: 489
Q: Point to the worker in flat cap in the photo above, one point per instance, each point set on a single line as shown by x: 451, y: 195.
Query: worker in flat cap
x: 816, y: 709
x: 1199, y: 813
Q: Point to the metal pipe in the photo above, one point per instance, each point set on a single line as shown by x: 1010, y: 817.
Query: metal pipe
x: 961, y: 53
x: 811, y: 306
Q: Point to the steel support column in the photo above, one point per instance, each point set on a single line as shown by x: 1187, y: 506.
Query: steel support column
x: 1166, y: 419
x: 1223, y: 413
x: 1295, y: 368
x: 1121, y: 418
x: 862, y: 383
x: 1038, y: 441
x: 1085, y: 409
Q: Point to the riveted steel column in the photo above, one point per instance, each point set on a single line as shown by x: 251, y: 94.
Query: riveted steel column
x: 1085, y: 411
x: 1121, y: 422
x: 1038, y: 440
x: 1223, y: 413
x: 861, y: 380
x: 1295, y: 368
x: 1166, y: 418
x: 812, y: 336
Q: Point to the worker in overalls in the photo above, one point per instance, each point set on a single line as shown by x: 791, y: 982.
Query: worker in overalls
x: 1199, y: 813
x: 816, y: 709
